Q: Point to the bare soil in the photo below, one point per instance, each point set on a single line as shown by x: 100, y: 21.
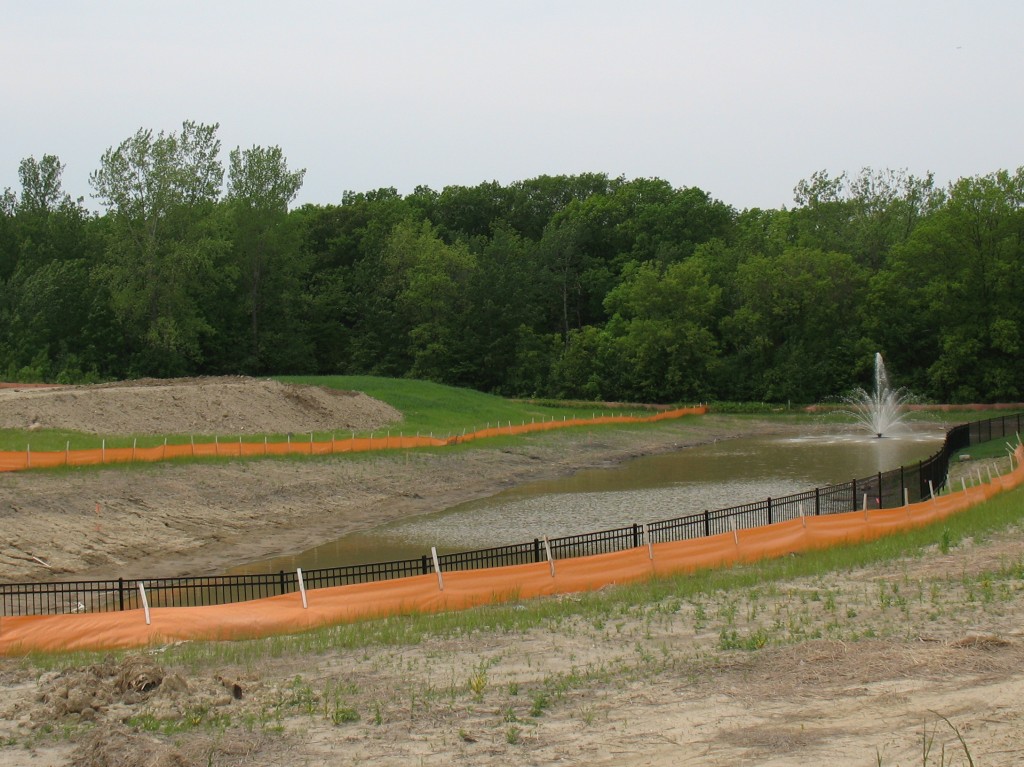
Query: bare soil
x: 915, y: 662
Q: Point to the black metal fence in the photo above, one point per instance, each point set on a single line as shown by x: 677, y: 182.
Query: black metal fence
x: 884, y: 490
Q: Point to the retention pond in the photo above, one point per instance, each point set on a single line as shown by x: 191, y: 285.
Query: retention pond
x: 713, y: 476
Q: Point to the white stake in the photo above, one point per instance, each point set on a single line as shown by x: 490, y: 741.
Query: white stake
x: 302, y: 587
x: 931, y: 488
x: 145, y: 602
x: 803, y: 519
x: 906, y: 496
x: 735, y: 535
x: 650, y: 545
x: 437, y: 568
x: 963, y: 484
x: 551, y: 559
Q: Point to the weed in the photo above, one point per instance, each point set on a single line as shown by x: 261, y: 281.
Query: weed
x: 731, y: 639
x: 478, y: 683
x: 539, y: 703
x: 341, y: 714
x: 512, y: 735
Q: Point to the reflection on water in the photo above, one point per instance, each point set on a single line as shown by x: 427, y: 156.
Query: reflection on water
x: 658, y: 487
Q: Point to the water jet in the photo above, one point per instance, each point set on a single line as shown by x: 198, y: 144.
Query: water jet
x: 881, y: 410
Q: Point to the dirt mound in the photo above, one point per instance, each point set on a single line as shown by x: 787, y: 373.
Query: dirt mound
x: 121, y: 708
x: 232, y: 405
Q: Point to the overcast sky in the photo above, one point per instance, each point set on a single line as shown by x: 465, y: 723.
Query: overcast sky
x: 741, y: 99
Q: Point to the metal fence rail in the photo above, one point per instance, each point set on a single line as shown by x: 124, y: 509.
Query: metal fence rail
x: 888, y: 489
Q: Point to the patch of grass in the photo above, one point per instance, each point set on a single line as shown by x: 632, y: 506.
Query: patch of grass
x: 431, y: 407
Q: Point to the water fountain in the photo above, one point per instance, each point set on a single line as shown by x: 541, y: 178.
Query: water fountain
x: 881, y: 410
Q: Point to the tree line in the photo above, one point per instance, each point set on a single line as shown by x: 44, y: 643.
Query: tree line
x: 581, y: 286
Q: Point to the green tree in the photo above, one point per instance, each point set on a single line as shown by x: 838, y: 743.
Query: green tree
x: 414, y: 319
x: 663, y: 348
x: 796, y: 333
x: 950, y: 304
x: 51, y: 310
x: 164, y: 250
x: 267, y: 255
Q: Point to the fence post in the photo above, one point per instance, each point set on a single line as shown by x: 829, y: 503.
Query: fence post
x: 817, y: 501
x: 853, y: 487
x: 769, y: 509
x: 707, y: 523
x: 425, y: 564
x: 536, y: 550
x: 636, y: 535
x: 879, y: 489
x: 282, y: 581
x: 120, y: 594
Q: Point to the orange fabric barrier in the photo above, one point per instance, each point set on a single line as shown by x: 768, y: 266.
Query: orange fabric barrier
x: 468, y: 588
x: 27, y: 459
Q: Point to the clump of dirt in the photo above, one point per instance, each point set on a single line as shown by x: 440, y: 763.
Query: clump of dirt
x: 225, y: 405
x: 119, y: 703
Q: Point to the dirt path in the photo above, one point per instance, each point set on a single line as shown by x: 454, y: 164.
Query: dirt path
x: 855, y: 668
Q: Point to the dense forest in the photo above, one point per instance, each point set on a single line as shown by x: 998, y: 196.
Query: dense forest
x: 578, y: 286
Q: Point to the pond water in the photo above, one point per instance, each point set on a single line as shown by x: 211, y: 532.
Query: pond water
x: 713, y: 476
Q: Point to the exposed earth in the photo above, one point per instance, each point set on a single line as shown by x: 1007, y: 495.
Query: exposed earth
x: 914, y: 662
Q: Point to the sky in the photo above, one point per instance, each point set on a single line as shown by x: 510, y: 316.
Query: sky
x: 742, y: 99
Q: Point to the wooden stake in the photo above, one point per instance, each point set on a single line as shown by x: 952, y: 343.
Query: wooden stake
x: 437, y: 568
x: 302, y: 587
x: 145, y: 602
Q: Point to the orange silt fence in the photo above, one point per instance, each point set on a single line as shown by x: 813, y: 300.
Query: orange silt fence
x: 441, y: 591
x: 29, y: 459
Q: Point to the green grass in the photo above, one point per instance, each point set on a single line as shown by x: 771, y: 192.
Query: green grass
x: 431, y: 407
